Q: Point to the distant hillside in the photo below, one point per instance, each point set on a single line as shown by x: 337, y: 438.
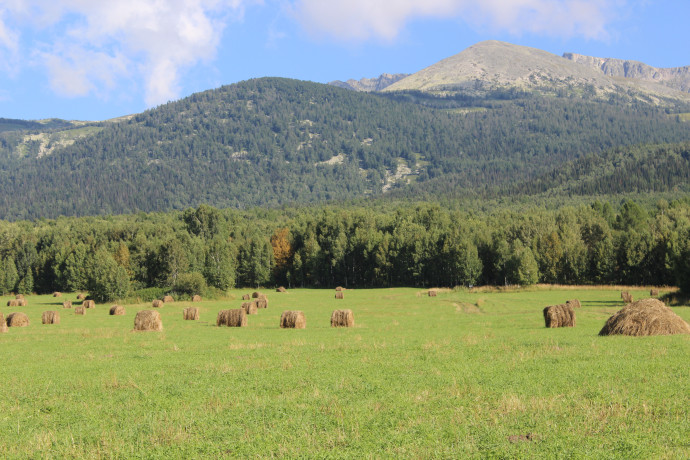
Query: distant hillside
x: 8, y: 124
x: 370, y: 84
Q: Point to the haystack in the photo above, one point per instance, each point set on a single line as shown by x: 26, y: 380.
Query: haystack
x: 559, y: 316
x: 281, y: 289
x: 627, y: 298
x: 190, y: 314
x: 645, y: 317
x: 13, y: 303
x: 67, y: 304
x: 339, y: 295
x: 3, y: 324
x: 342, y: 318
x: 157, y: 303
x: 19, y: 296
x: 50, y: 317
x: 246, y: 297
x: 89, y: 304
x: 168, y: 299
x: 22, y: 303
x: 250, y: 308
x: 261, y: 303
x: 574, y: 303
x: 79, y: 310
x: 17, y: 319
x: 148, y: 320
x: 339, y: 288
x: 293, y: 319
x: 432, y: 293
x: 232, y: 318
x: 654, y: 292
x: 196, y: 298
x: 57, y: 294
x: 117, y: 310
x: 81, y: 296
x: 255, y: 295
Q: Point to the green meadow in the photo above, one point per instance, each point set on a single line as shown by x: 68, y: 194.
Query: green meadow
x: 460, y: 375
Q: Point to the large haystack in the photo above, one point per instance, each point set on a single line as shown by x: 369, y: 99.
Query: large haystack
x: 157, y: 303
x: 293, y: 319
x: 148, y: 320
x: 339, y: 295
x: 342, y: 318
x: 117, y: 310
x: 654, y: 292
x: 232, y: 318
x: 190, y: 314
x: 574, y: 303
x: 559, y: 316
x: 246, y: 297
x: 89, y: 304
x: 50, y: 317
x: 168, y: 299
x: 81, y: 296
x: 79, y: 310
x: 196, y: 298
x: 261, y: 303
x: 281, y: 289
x: 3, y: 324
x: 432, y: 292
x: 627, y: 298
x: 645, y: 317
x: 250, y: 308
x: 17, y: 319
x: 67, y: 304
x: 255, y: 295
x: 57, y: 294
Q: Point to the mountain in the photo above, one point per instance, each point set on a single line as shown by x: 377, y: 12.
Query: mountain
x: 370, y: 84
x: 677, y: 78
x: 495, y: 65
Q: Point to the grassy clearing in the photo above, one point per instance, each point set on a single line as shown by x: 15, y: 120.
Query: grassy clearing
x: 454, y: 376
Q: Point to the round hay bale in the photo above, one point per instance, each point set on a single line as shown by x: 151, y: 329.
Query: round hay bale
x: 559, y: 316
x: 574, y: 303
x: 22, y: 303
x: 81, y: 296
x: 261, y: 303
x: 67, y: 304
x: 89, y: 304
x: 190, y: 314
x: 168, y: 299
x: 196, y: 298
x: 246, y: 297
x: 627, y: 298
x: 255, y: 295
x: 157, y: 303
x: 117, y: 310
x: 339, y: 295
x: 79, y: 310
x: 57, y: 294
x: 432, y: 292
x: 654, y: 292
x: 19, y: 296
x: 232, y: 318
x: 342, y: 318
x: 250, y: 308
x: 293, y: 319
x: 645, y: 317
x: 13, y: 303
x: 50, y: 317
x: 148, y: 320
x: 3, y: 324
x: 17, y: 319
x: 281, y: 289
x: 339, y: 288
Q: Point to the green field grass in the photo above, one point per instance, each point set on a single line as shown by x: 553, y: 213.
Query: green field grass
x: 453, y: 376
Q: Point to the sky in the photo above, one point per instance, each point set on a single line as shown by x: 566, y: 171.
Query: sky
x: 95, y: 60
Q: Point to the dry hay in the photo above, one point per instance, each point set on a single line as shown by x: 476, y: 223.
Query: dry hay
x: 67, y: 304
x: 50, y: 317
x: 13, y: 303
x: 22, y: 303
x: 232, y: 318
x: 157, y: 303
x: 3, y: 324
x: 574, y: 303
x: 246, y: 297
x: 293, y: 319
x: 281, y: 289
x: 117, y: 310
x: 339, y: 295
x: 148, y: 320
x: 79, y: 310
x: 196, y: 298
x: 17, y: 319
x: 89, y: 304
x: 627, y: 298
x: 261, y: 303
x: 654, y: 292
x: 19, y: 296
x: 190, y: 314
x: 255, y: 295
x: 168, y: 299
x: 342, y: 318
x: 81, y: 296
x: 339, y: 288
x: 645, y: 317
x: 57, y: 294
x: 250, y: 308
x: 432, y: 293
x: 559, y: 316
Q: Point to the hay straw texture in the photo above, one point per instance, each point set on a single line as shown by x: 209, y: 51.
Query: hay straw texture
x: 22, y: 303
x: 81, y: 296
x: 67, y: 304
x: 50, y: 317
x: 559, y: 316
x: 432, y: 293
x: 342, y: 318
x: 339, y: 295
x: 246, y: 297
x: 19, y: 296
x: 190, y: 314
x: 196, y: 298
x: 339, y: 288
x: 232, y: 318
x: 3, y: 324
x: 645, y: 317
x: 168, y: 298
x: 79, y: 310
x: 13, y: 303
x: 574, y: 303
x: 148, y: 320
x: 261, y: 303
x: 89, y: 304
x: 157, y: 303
x: 654, y: 292
x: 250, y: 308
x: 255, y: 295
x: 281, y: 289
x: 57, y: 294
x: 17, y: 319
x: 627, y: 298
x: 117, y: 310
x: 293, y: 319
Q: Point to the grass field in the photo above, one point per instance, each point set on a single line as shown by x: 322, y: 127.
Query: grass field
x: 417, y: 377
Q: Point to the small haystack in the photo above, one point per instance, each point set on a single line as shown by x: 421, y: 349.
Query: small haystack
x: 293, y: 319
x: 281, y: 289
x: 654, y: 292
x: 3, y: 324
x: 574, y: 303
x: 342, y: 318
x: 196, y: 298
x: 157, y: 303
x: 432, y: 292
x: 255, y: 295
x: 17, y: 319
x: 250, y: 308
x: 645, y: 317
x: 117, y: 310
x: 67, y: 304
x: 89, y: 304
x: 261, y: 303
x: 148, y: 320
x: 246, y: 297
x: 232, y: 318
x: 57, y: 294
x: 19, y: 296
x: 559, y: 316
x: 339, y: 288
x: 81, y: 296
x: 50, y: 317
x: 13, y: 303
x: 22, y: 303
x: 627, y: 298
x: 168, y: 299
x: 339, y: 295
x: 190, y: 314
x: 79, y: 310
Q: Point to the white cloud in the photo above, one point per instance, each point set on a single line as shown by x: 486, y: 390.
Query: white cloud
x: 384, y: 19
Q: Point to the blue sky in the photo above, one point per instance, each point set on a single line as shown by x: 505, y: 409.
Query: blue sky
x: 93, y: 60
